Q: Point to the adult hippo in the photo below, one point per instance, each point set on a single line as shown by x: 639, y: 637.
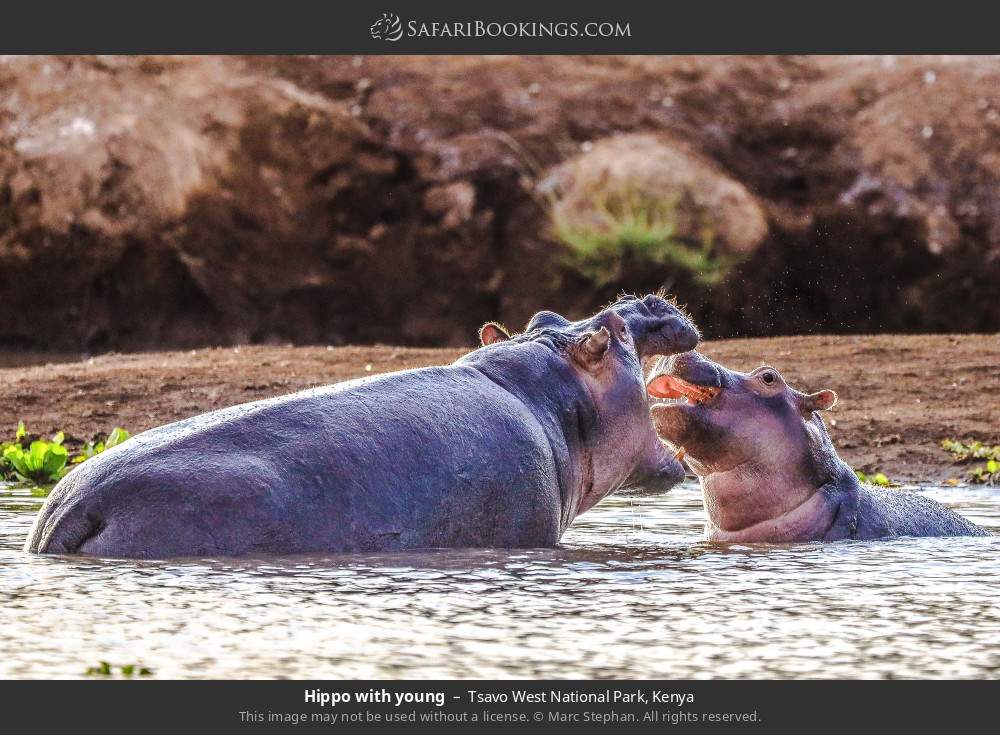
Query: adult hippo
x: 767, y: 467
x: 505, y: 447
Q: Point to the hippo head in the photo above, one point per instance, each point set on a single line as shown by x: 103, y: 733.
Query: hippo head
x: 756, y: 443
x: 621, y: 447
x: 657, y: 325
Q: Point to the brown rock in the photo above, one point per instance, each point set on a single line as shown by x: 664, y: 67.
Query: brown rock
x: 703, y: 197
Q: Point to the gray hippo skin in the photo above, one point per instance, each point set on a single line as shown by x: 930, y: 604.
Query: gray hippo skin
x: 767, y: 467
x: 504, y: 448
x: 658, y: 326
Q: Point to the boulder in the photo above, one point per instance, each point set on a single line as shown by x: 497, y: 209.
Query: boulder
x: 702, y: 197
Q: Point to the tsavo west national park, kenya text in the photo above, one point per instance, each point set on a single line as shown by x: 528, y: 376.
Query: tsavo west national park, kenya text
x: 515, y: 696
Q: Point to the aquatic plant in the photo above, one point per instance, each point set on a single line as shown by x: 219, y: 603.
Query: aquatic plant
x: 127, y: 671
x: 971, y: 451
x: 962, y: 453
x: 988, y: 474
x: 91, y: 449
x: 878, y: 479
x: 45, y: 461
x: 40, y: 462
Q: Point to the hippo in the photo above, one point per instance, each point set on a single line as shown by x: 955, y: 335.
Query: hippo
x: 767, y: 467
x: 502, y: 448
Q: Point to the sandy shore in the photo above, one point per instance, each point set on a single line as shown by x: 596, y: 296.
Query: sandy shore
x: 899, y: 394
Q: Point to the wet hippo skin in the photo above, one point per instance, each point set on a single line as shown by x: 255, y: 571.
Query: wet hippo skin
x: 768, y: 469
x: 505, y: 447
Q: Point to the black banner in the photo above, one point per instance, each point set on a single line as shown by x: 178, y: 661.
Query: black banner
x: 515, y: 26
x: 647, y: 706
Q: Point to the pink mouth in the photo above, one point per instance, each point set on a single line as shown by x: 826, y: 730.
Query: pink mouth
x: 669, y: 386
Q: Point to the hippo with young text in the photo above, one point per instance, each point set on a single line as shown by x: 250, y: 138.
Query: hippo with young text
x: 768, y: 470
x: 503, y: 448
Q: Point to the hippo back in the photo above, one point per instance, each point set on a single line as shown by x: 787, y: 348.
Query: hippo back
x: 421, y: 458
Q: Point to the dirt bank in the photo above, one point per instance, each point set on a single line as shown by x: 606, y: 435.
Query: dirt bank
x: 150, y: 202
x: 899, y: 395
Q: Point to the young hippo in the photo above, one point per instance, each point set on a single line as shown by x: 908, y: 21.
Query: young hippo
x: 504, y: 448
x: 767, y: 467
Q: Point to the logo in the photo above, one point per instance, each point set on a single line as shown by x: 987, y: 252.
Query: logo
x: 387, y: 28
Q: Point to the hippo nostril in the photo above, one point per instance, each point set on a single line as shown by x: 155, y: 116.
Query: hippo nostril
x: 682, y: 336
x: 687, y: 340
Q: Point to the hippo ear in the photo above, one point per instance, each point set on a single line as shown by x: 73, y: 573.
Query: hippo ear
x: 820, y: 401
x: 591, y: 348
x: 491, y: 333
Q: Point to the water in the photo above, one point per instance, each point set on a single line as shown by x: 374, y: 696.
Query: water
x: 632, y: 593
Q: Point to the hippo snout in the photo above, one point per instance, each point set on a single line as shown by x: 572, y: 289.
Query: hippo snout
x: 664, y: 335
x: 692, y: 367
x: 680, y: 333
x: 668, y: 329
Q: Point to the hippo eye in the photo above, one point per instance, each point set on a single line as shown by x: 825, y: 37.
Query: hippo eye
x: 768, y: 378
x: 623, y: 332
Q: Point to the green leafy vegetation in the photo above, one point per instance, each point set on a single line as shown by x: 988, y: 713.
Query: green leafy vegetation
x: 40, y: 461
x: 126, y: 671
x: 91, y: 449
x: 987, y: 473
x: 878, y: 479
x: 635, y: 227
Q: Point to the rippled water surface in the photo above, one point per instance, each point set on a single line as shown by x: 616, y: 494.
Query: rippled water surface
x: 633, y: 592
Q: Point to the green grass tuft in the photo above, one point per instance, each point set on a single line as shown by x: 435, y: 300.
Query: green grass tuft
x: 638, y: 228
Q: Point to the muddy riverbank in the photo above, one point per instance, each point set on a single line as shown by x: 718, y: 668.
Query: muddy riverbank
x: 899, y: 394
x: 150, y: 202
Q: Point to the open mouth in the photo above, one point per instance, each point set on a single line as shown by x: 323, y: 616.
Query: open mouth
x: 671, y: 388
